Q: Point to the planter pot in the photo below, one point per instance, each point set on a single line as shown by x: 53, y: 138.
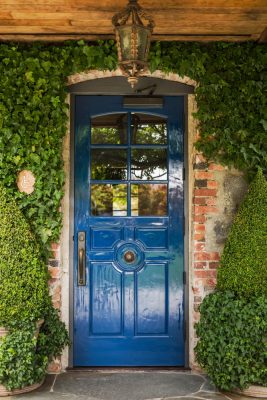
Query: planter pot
x: 254, y: 391
x: 4, y: 392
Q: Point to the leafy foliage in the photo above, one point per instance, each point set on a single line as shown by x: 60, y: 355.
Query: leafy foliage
x: 24, y: 300
x: 53, y: 336
x: 23, y: 284
x: 243, y: 266
x: 231, y: 97
x: 233, y: 340
x: 33, y: 120
x: 33, y: 111
x: 20, y: 364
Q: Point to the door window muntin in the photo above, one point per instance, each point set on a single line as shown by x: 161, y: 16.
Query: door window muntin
x: 130, y: 147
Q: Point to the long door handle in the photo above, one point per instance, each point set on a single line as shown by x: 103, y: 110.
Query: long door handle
x: 81, y: 259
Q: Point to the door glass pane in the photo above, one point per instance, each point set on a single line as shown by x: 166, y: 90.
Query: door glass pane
x: 149, y: 199
x: 148, y: 129
x: 109, y: 129
x: 109, y: 200
x: 148, y: 164
x: 108, y: 164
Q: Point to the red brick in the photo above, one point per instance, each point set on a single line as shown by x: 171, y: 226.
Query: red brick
x: 199, y: 246
x: 204, y: 256
x: 55, y: 246
x: 201, y: 256
x: 204, y: 175
x: 54, y: 272
x: 211, y: 283
x: 52, y: 281
x: 199, y: 228
x: 199, y: 236
x: 212, y: 184
x: 205, y: 192
x: 205, y: 209
x: 200, y: 200
x: 56, y: 304
x: 199, y: 218
x: 215, y: 256
x: 216, y: 167
x: 213, y: 265
x: 205, y: 274
x: 200, y: 265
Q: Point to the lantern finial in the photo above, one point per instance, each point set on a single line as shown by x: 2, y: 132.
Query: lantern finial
x: 133, y: 28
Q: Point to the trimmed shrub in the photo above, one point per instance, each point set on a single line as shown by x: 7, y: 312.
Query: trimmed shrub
x: 23, y: 274
x: 233, y: 340
x: 243, y: 266
x: 24, y: 298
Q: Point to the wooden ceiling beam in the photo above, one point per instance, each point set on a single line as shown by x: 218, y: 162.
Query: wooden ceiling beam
x: 60, y: 38
x: 74, y: 28
x: 263, y: 37
x: 202, y: 20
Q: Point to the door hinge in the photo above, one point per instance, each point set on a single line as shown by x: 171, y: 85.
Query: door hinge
x: 184, y: 277
x: 183, y: 173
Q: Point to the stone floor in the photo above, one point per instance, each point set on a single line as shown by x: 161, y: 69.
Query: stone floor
x: 128, y: 385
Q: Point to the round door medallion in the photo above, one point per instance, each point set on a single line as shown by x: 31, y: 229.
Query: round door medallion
x: 129, y: 256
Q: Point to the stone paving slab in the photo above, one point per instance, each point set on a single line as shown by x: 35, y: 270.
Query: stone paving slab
x: 128, y: 385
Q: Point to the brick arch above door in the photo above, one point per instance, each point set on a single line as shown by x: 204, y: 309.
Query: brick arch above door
x: 96, y: 74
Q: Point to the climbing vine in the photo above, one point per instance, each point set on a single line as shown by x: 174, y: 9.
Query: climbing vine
x: 231, y: 98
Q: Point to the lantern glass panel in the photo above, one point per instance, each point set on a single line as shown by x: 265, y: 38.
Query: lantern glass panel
x: 142, y: 43
x: 125, y: 33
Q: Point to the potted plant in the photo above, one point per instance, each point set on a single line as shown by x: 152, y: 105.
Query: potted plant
x: 232, y: 331
x: 25, y: 300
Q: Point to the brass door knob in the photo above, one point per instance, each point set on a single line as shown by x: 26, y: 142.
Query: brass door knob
x: 129, y: 256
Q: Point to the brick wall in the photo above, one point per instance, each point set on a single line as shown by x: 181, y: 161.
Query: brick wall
x: 217, y: 193
x: 205, y: 260
x: 55, y: 272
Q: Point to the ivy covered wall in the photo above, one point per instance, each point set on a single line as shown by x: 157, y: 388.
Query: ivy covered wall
x: 231, y: 98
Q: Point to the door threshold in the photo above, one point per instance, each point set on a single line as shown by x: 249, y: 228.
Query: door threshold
x: 127, y: 369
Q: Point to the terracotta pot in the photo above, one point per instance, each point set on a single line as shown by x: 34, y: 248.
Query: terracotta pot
x: 4, y: 392
x: 254, y: 391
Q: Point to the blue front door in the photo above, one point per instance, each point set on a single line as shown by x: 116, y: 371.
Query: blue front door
x: 128, y: 242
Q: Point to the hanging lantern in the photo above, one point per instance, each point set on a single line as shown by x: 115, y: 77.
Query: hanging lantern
x: 133, y: 28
